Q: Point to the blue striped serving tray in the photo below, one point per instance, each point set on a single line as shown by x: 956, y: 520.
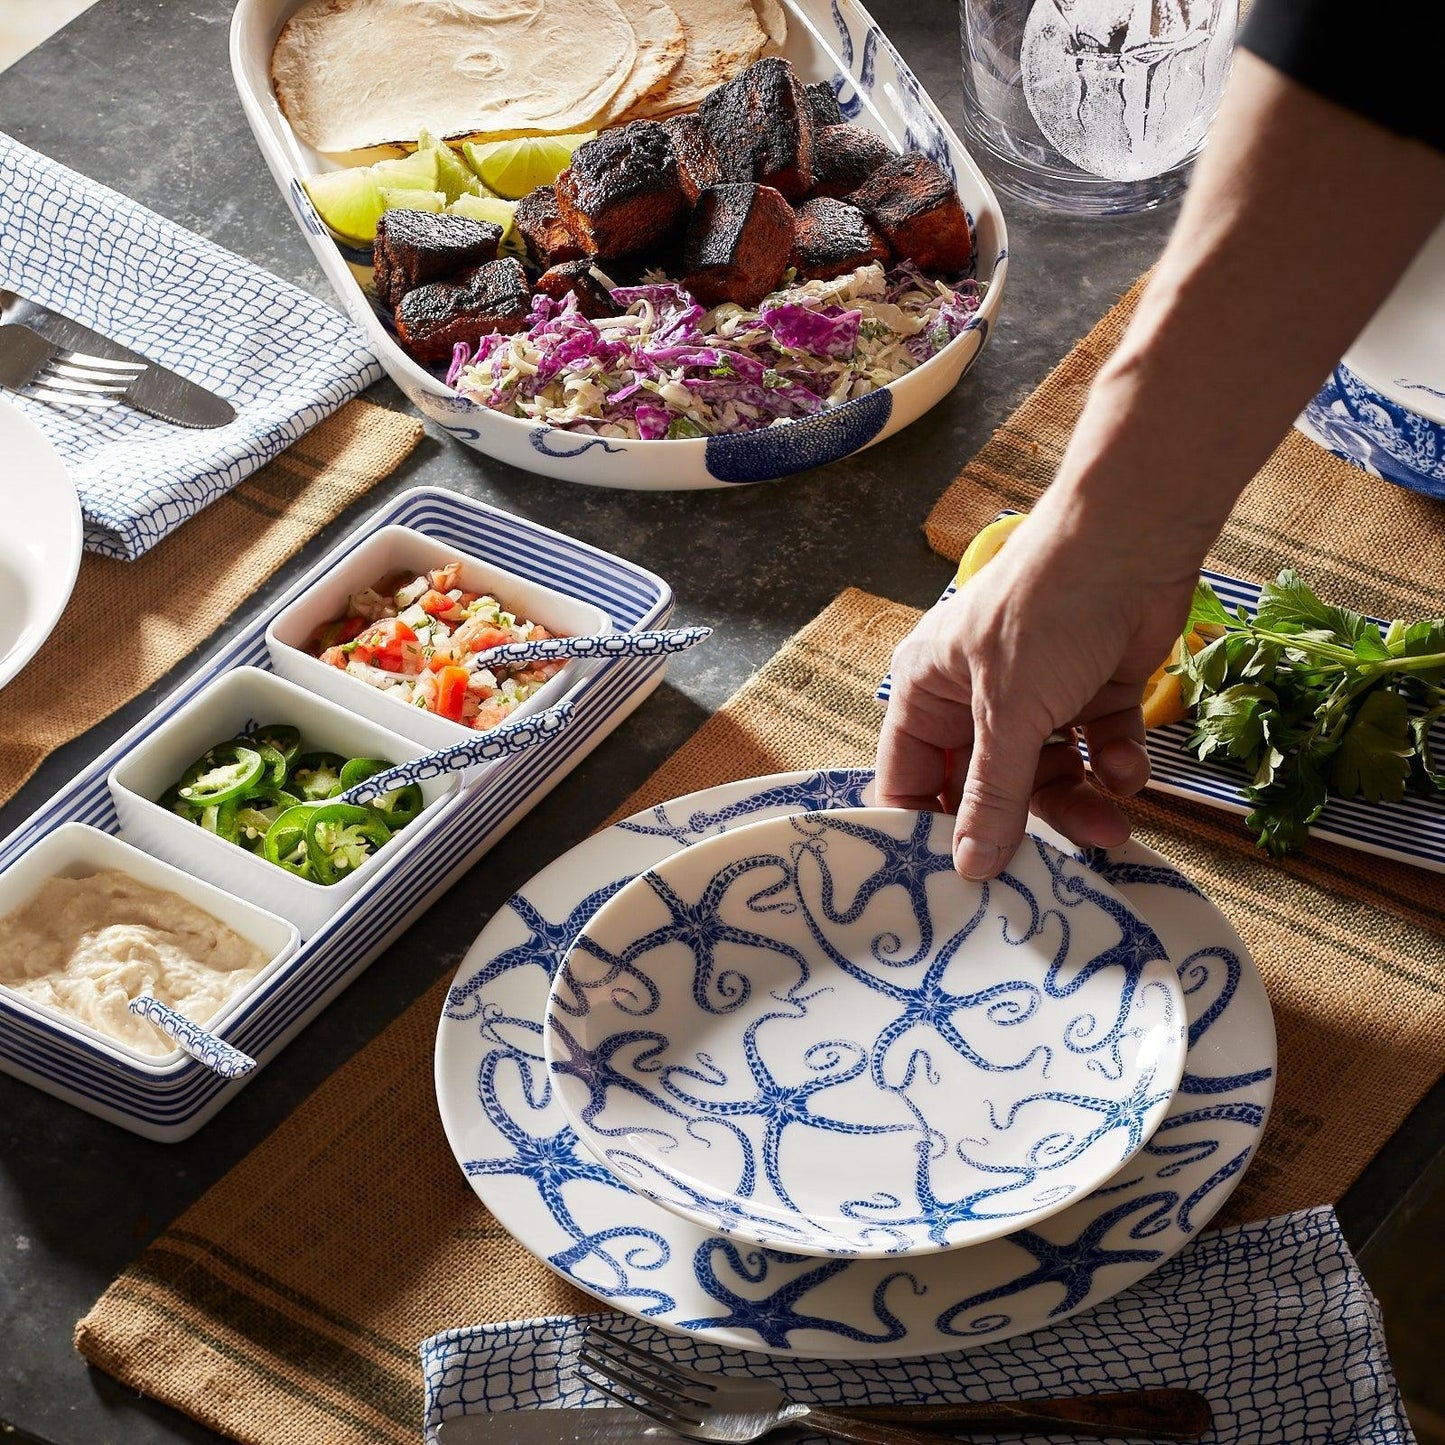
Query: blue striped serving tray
x: 1411, y: 831
x: 173, y: 1104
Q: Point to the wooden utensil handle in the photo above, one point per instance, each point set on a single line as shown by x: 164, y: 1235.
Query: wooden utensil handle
x: 1150, y: 1414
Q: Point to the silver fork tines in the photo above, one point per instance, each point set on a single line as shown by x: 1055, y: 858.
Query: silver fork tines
x: 41, y: 369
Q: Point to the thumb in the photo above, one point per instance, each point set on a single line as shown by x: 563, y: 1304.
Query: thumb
x: 994, y: 811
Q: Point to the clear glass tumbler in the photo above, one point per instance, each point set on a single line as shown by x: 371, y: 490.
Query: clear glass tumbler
x: 1096, y: 107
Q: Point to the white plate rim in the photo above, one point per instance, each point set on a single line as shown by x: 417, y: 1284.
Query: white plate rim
x: 26, y: 446
x: 1066, y: 1274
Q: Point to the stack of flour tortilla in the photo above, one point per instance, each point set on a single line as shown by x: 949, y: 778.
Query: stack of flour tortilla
x: 353, y: 74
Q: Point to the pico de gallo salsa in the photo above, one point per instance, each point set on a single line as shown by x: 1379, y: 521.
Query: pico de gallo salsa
x: 418, y: 638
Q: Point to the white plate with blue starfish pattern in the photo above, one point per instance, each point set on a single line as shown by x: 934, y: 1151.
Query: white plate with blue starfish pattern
x: 524, y: 1162
x: 811, y: 1034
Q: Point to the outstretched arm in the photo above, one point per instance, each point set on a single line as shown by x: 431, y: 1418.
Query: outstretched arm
x: 1299, y: 219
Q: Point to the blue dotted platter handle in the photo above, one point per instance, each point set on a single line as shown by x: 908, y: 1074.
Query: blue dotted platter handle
x: 605, y: 648
x: 514, y: 736
x: 204, y: 1047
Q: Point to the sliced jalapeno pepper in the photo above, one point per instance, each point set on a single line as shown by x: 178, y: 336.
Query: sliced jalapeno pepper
x: 400, y: 806
x: 340, y: 837
x: 285, y: 841
x: 252, y: 825
x: 358, y: 770
x: 317, y: 775
x: 275, y: 762
x: 172, y: 802
x: 281, y: 736
x: 220, y: 819
x: 225, y: 772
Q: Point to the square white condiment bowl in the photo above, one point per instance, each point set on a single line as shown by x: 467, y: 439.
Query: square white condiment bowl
x: 401, y: 549
x: 76, y: 850
x: 250, y: 697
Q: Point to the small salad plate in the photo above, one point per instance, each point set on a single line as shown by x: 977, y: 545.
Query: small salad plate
x: 520, y: 1154
x: 1383, y: 407
x: 813, y: 1035
x: 41, y: 543
x: 835, y: 41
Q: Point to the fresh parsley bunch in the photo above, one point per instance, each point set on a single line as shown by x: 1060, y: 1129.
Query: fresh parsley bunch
x: 1313, y: 700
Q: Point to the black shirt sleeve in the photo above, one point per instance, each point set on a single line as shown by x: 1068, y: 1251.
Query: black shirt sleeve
x: 1384, y: 59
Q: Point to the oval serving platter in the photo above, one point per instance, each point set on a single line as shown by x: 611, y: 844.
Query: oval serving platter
x: 830, y: 40
x: 516, y: 1150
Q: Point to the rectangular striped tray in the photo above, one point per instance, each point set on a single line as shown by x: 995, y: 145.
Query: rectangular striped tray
x: 1410, y: 831
x: 459, y: 831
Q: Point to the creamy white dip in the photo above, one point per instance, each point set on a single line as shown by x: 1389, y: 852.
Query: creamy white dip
x: 87, y: 946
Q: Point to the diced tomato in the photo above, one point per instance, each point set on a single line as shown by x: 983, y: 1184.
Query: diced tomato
x: 538, y: 633
x: 445, y: 578
x: 451, y: 692
x: 381, y: 644
x: 492, y: 713
x: 482, y: 635
x: 334, y: 657
x: 435, y: 604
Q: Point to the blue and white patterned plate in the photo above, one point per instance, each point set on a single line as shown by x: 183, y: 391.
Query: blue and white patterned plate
x: 812, y: 1034
x: 836, y: 41
x: 523, y: 1159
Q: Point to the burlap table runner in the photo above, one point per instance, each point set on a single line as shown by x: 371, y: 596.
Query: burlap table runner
x: 128, y: 623
x: 286, y: 1305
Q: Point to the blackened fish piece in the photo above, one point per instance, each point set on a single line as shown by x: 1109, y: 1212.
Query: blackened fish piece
x: 698, y: 166
x: 541, y: 227
x: 823, y: 107
x: 622, y: 191
x: 415, y: 247
x: 913, y: 203
x: 762, y: 128
x: 431, y: 319
x: 594, y: 299
x: 738, y: 244
x: 832, y: 238
x: 844, y: 156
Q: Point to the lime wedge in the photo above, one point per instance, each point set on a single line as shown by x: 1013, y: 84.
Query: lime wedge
x: 454, y: 178
x: 405, y: 199
x: 419, y: 172
x: 513, y: 167
x: 486, y: 208
x: 349, y: 201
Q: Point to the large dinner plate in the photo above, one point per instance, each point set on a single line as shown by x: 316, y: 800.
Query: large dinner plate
x: 828, y: 40
x: 1383, y: 407
x: 524, y: 1162
x: 40, y: 541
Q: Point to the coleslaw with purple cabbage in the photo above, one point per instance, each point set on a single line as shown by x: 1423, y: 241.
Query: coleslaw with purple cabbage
x: 667, y: 367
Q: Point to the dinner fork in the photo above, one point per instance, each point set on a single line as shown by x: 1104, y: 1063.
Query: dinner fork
x: 39, y: 368
x: 712, y: 1407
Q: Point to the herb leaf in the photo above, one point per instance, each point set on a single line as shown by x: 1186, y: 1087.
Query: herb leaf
x: 1373, y: 757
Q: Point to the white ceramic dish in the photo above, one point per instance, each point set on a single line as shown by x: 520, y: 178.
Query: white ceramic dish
x: 516, y: 1149
x: 40, y: 543
x: 1383, y: 407
x: 828, y: 40
x: 246, y: 698
x: 813, y: 1035
x: 396, y: 549
x: 76, y: 851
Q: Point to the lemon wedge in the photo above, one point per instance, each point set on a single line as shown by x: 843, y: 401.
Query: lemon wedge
x: 512, y: 168
x: 985, y: 546
x: 485, y: 208
x: 349, y: 202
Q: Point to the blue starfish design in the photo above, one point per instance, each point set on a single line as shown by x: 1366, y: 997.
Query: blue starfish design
x: 1121, y: 873
x: 551, y: 1162
x: 1195, y: 973
x: 594, y: 1070
x: 1070, y: 1266
x: 775, y: 1317
x: 779, y: 1106
x: 836, y: 788
x: 699, y: 927
x: 906, y: 862
x: 545, y: 947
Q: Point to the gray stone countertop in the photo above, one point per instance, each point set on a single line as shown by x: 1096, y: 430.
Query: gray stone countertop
x: 138, y: 94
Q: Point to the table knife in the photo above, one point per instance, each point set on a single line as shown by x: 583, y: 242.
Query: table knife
x: 157, y: 390
x: 1144, y: 1414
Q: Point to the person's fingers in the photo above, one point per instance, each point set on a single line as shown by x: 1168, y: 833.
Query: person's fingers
x: 1080, y: 812
x: 994, y: 809
x: 1116, y: 750
x: 911, y: 773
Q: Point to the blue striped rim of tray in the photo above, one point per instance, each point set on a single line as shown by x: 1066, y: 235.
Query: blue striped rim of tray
x: 1411, y: 831
x: 172, y: 1104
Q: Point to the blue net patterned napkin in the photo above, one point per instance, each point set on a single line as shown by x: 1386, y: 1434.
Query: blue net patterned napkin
x: 282, y: 358
x: 1272, y: 1322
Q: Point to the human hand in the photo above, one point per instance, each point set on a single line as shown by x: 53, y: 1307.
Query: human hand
x: 1060, y: 630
